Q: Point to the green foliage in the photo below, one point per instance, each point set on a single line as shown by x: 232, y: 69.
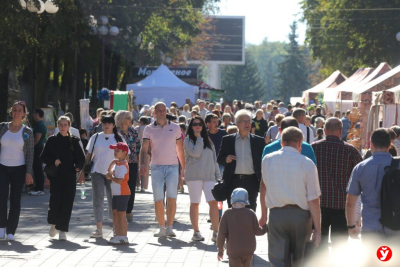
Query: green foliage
x: 267, y: 55
x: 350, y: 34
x: 293, y: 71
x: 243, y: 82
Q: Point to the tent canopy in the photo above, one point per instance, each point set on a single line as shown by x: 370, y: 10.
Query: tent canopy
x: 162, y: 85
x: 346, y: 93
x: 385, y: 81
x: 332, y: 81
x: 352, y: 82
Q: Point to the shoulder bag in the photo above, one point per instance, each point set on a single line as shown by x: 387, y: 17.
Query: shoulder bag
x: 89, y: 163
x: 51, y: 169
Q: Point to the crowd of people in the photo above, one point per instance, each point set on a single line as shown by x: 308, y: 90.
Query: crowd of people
x: 313, y: 185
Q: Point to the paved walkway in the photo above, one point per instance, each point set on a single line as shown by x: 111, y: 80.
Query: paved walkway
x: 33, y: 247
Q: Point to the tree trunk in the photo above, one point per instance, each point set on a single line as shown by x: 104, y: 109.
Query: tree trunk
x: 107, y: 68
x: 80, y: 86
x: 56, y: 83
x: 73, y: 97
x: 4, y: 94
x: 87, y: 84
x: 95, y: 84
x: 116, y: 59
x: 64, y: 86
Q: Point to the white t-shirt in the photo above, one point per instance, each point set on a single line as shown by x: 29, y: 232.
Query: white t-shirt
x: 102, y: 153
x: 12, y: 149
x: 304, y: 128
x: 186, y: 114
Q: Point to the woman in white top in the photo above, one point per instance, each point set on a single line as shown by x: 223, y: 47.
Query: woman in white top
x: 99, y: 147
x: 202, y: 170
x: 16, y: 161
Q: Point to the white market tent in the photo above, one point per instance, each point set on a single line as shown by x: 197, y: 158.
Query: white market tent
x: 162, y: 85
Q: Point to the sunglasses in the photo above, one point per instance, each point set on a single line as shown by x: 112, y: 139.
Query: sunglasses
x: 197, y: 124
x: 18, y: 102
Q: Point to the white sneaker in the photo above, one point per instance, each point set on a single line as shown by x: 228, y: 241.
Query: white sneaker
x: 119, y: 240
x: 161, y: 232
x: 170, y: 233
x: 2, y: 233
x: 62, y: 236
x: 10, y: 237
x: 52, y: 231
x: 142, y: 190
x: 197, y: 237
x: 37, y: 193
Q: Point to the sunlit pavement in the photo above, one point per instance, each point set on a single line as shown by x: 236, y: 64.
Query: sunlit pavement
x: 33, y: 247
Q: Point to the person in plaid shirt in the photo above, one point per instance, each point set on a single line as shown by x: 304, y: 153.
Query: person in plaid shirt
x: 335, y: 162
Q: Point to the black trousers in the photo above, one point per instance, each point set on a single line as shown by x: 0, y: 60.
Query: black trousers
x: 12, y: 178
x: 37, y: 169
x: 62, y: 196
x: 251, y: 184
x: 336, y: 220
x: 133, y: 174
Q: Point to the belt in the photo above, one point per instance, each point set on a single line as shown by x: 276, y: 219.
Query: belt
x: 243, y: 176
x: 288, y: 207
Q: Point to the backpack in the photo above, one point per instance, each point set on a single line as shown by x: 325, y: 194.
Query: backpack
x: 390, y: 196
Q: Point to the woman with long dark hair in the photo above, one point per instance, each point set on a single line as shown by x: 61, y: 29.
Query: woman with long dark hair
x: 16, y: 161
x: 201, y: 172
x: 64, y: 151
x: 101, y: 155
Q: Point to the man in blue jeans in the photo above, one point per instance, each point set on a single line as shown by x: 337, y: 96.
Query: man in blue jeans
x: 166, y: 147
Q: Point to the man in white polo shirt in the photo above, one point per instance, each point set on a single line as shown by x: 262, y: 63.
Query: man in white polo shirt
x: 308, y: 134
x: 164, y: 138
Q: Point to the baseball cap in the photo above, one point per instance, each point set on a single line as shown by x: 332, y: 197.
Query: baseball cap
x: 240, y: 195
x: 263, y: 106
x: 121, y: 146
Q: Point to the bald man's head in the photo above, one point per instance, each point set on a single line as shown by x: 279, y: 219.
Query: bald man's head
x: 288, y: 122
x: 333, y: 126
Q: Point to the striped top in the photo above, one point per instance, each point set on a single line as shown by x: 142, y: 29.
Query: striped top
x: 121, y: 171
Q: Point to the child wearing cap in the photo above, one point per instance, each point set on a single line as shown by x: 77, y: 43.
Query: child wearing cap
x: 118, y: 174
x: 239, y: 226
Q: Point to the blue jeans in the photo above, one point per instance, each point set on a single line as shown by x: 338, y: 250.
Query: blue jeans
x: 164, y: 174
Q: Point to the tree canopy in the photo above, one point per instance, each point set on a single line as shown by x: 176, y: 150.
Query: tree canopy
x: 349, y: 34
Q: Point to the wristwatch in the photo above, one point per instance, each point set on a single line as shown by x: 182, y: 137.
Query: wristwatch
x: 351, y: 227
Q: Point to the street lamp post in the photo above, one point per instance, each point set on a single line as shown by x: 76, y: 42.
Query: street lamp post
x: 103, y: 31
x: 50, y: 8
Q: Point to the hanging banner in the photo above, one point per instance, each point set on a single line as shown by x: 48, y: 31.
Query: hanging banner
x: 211, y: 95
x: 86, y: 120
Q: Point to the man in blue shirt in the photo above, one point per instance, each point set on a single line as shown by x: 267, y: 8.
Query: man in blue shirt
x: 366, y: 180
x: 306, y: 149
x: 346, y: 125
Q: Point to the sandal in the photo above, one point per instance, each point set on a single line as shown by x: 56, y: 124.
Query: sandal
x: 96, y: 234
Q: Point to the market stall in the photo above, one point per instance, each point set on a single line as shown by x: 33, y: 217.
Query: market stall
x: 362, y: 96
x: 331, y: 96
x: 315, y: 94
x: 162, y: 85
x: 207, y: 92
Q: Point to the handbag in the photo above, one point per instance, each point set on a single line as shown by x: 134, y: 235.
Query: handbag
x: 51, y: 171
x: 89, y: 163
x: 219, y: 191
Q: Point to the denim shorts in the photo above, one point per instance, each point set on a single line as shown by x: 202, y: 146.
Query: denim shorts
x: 164, y: 174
